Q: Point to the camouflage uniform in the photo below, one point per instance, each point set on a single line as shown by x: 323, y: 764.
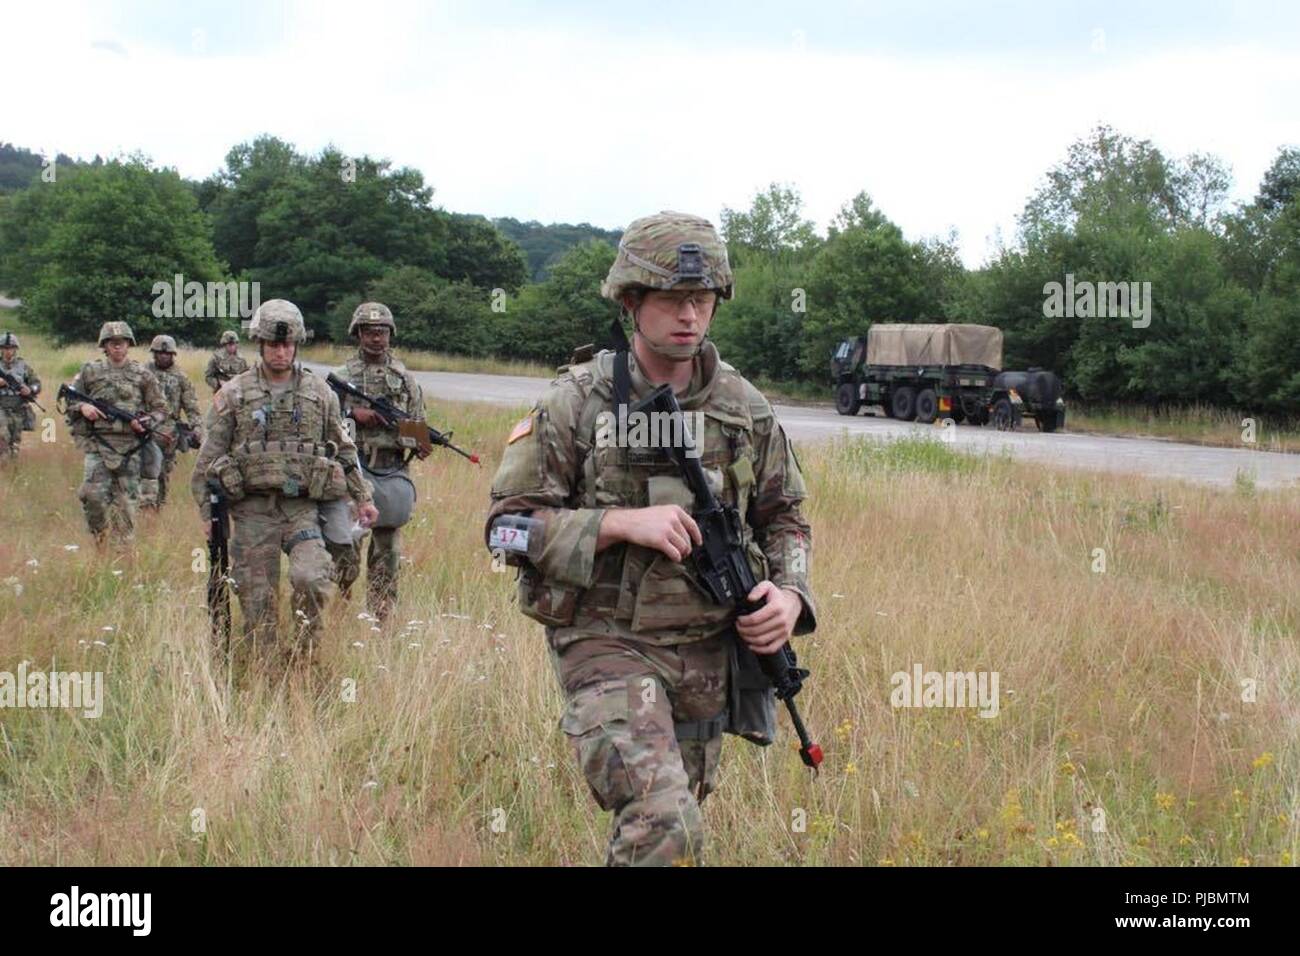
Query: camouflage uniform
x: 111, y: 478
x: 180, y: 395
x: 16, y: 415
x: 641, y: 653
x: 222, y: 367
x: 380, y: 454
x: 278, y: 454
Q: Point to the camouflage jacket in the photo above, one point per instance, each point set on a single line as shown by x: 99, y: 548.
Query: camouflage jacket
x: 257, y: 431
x: 222, y: 368
x: 132, y: 388
x: 557, y: 459
x: 389, y: 379
x: 179, y: 392
x: 25, y: 374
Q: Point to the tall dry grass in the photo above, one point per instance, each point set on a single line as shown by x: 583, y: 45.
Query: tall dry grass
x: 1120, y: 691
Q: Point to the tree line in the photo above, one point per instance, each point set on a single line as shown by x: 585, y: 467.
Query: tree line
x: 328, y: 231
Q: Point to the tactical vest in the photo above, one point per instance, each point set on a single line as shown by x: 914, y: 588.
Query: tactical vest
x: 279, y: 443
x: 389, y: 380
x: 8, y: 397
x: 228, y: 366
x: 122, y: 386
x: 170, y: 383
x: 641, y: 587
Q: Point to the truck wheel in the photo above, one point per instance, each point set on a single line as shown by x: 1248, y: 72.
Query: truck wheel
x: 846, y: 399
x: 902, y: 403
x: 1004, y: 416
x: 1047, y: 422
x: 927, y: 406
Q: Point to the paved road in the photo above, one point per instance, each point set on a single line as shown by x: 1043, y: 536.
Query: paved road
x: 1152, y: 457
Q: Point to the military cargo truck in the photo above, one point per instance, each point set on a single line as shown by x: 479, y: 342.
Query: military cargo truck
x: 927, y: 372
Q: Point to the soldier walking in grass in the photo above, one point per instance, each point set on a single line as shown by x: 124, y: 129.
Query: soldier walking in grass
x: 601, y: 532
x: 16, y: 414
x: 178, y: 390
x: 378, y: 373
x: 111, y: 479
x: 275, y: 442
x: 226, y: 362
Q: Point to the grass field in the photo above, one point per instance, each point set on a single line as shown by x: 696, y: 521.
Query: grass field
x: 1122, y: 736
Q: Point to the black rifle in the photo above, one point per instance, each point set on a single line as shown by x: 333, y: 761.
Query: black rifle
x: 69, y: 394
x: 17, y: 386
x: 187, y: 435
x: 722, y: 566
x: 218, y: 562
x: 394, y: 416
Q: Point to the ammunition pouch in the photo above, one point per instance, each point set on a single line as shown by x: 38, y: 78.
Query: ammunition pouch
x: 290, y: 468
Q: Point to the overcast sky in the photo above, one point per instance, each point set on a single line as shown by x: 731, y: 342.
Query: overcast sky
x: 600, y: 112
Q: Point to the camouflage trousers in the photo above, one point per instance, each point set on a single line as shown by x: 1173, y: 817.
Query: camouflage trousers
x: 11, y: 430
x: 155, y: 468
x: 265, y: 526
x: 108, y: 495
x: 383, y: 556
x: 627, y: 705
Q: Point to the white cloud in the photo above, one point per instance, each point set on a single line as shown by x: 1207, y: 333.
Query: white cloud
x: 536, y: 123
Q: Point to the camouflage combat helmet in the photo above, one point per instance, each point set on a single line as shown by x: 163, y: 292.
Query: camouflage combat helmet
x: 163, y: 343
x: 229, y: 336
x: 8, y: 340
x: 372, y: 313
x: 115, y: 330
x: 669, y: 250
x: 277, y: 320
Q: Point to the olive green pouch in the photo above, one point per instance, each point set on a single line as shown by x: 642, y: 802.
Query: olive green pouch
x: 226, y: 470
x: 751, y: 712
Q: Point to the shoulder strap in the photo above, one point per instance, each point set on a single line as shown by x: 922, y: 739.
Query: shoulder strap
x: 622, y: 375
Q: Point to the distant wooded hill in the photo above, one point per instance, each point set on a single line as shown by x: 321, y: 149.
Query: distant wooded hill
x: 544, y: 246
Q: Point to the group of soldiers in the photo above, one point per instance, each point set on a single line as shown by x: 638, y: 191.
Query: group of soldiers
x: 275, y: 431
x: 603, y: 536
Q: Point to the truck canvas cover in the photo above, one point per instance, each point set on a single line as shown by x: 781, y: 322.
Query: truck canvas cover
x: 952, y: 344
